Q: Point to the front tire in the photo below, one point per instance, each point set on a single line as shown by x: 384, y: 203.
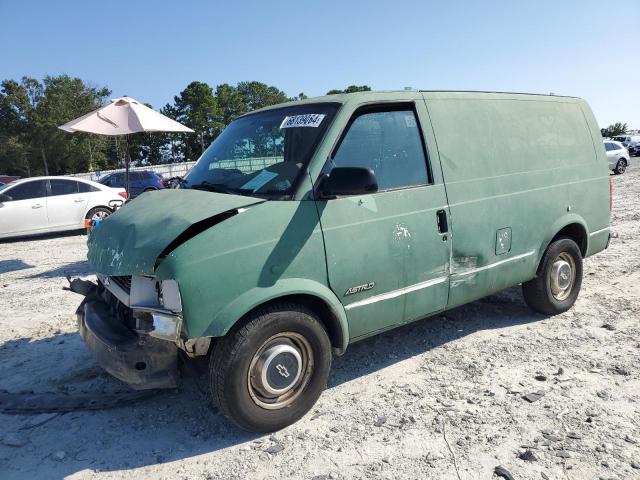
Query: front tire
x: 268, y: 374
x: 621, y: 166
x: 558, y: 280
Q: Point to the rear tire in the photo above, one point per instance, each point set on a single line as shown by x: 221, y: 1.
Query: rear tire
x: 558, y: 280
x: 268, y: 374
x: 98, y: 213
x: 621, y: 166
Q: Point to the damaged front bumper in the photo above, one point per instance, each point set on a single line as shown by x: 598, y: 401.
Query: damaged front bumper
x: 138, y: 359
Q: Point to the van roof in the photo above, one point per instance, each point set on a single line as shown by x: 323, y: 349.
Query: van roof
x: 346, y: 97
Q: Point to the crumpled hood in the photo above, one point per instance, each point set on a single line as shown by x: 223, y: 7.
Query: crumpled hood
x: 129, y: 241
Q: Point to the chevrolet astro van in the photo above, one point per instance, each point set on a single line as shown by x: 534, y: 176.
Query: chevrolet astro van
x: 313, y: 224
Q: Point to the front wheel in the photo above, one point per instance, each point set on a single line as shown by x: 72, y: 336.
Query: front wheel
x: 98, y: 213
x: 621, y: 166
x: 557, y: 283
x: 267, y: 374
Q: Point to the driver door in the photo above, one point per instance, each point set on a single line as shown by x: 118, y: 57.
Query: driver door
x: 387, y: 261
x: 26, y: 213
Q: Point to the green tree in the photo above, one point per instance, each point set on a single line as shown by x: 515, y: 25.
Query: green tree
x: 230, y: 102
x: 351, y: 89
x: 197, y: 108
x: 30, y: 113
x: 613, y: 130
x: 171, y: 150
x: 256, y: 95
x: 245, y: 97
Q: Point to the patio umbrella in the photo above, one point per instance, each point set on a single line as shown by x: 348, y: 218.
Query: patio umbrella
x: 124, y: 116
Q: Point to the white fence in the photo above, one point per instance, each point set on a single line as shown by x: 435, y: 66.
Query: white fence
x: 167, y: 171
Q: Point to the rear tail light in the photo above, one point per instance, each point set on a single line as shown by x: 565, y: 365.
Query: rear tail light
x: 123, y: 194
x: 610, y: 193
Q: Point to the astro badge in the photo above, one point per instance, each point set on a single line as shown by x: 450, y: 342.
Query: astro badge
x: 308, y: 120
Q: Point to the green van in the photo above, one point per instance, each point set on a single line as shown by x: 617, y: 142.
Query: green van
x: 310, y: 225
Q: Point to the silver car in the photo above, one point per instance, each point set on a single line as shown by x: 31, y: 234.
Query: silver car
x: 618, y: 156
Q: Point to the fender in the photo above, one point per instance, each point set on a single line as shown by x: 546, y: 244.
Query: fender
x: 558, y: 225
x: 235, y: 310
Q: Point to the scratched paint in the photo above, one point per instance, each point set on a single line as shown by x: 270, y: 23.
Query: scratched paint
x: 461, y: 270
x: 401, y: 240
x: 366, y: 201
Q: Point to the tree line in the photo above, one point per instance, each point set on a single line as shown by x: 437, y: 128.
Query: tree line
x: 614, y: 130
x: 31, y: 111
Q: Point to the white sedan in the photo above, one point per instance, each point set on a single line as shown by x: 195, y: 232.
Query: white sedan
x: 38, y: 205
x: 617, y: 155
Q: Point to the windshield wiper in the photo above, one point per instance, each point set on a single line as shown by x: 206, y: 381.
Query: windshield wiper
x: 220, y: 188
x: 211, y: 187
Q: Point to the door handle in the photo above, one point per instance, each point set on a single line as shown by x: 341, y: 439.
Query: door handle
x: 441, y: 219
x: 78, y: 200
x: 37, y: 205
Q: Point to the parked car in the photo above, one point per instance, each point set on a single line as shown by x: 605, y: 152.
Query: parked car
x: 618, y: 156
x: 634, y: 150
x: 38, y: 205
x: 8, y: 178
x: 263, y: 263
x: 628, y: 140
x: 172, y: 182
x: 141, y: 181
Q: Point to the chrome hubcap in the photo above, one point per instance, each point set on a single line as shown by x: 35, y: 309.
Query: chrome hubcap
x: 280, y: 370
x: 101, y: 215
x: 562, y: 276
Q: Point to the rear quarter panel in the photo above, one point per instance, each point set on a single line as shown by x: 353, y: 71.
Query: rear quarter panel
x: 524, y: 162
x: 589, y: 192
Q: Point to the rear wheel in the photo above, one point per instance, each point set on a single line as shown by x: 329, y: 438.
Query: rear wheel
x: 267, y: 374
x: 98, y: 213
x: 558, y: 280
x: 621, y: 166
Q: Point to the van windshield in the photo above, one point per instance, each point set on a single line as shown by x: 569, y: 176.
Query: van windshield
x: 262, y: 154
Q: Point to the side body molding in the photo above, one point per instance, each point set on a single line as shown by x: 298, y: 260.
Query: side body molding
x: 226, y: 318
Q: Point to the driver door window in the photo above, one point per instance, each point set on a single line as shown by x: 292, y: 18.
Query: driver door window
x: 388, y: 143
x: 28, y: 191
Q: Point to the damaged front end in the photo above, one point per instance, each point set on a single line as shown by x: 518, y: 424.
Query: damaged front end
x: 133, y: 322
x: 132, y: 325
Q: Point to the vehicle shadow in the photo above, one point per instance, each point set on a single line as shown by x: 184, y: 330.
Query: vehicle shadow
x: 78, y: 269
x: 7, y: 266
x: 501, y: 310
x: 44, y: 236
x: 178, y: 424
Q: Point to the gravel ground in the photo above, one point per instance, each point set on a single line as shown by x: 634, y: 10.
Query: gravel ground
x: 440, y: 399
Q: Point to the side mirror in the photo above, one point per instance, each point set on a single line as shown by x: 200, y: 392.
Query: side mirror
x: 348, y: 181
x: 5, y: 198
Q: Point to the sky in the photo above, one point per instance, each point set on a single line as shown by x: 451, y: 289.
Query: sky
x: 153, y: 50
